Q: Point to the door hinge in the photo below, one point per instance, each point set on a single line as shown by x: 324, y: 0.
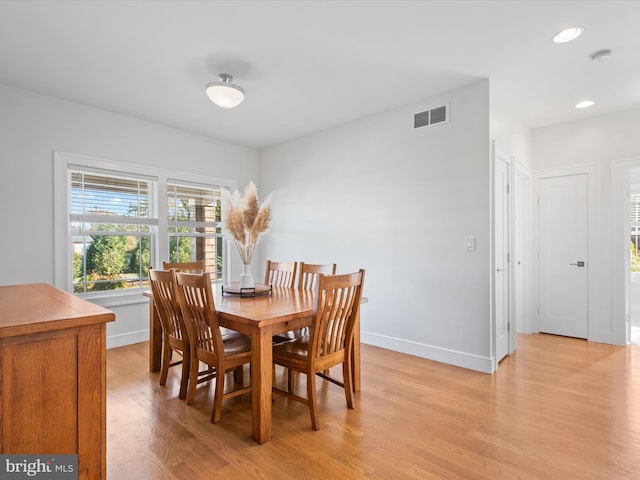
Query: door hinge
x: 509, y: 327
x: 508, y: 257
x: 507, y: 188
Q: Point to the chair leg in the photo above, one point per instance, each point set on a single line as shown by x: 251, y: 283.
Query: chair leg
x: 166, y: 360
x: 193, y: 378
x: 238, y: 375
x: 348, y: 391
x: 291, y: 380
x: 313, y: 402
x: 273, y: 381
x: 216, y: 412
x: 184, y: 380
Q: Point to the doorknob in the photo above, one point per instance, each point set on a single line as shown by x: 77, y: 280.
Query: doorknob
x: 579, y: 264
x: 500, y: 270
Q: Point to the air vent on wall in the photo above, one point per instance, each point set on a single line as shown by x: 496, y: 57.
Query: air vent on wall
x: 431, y: 117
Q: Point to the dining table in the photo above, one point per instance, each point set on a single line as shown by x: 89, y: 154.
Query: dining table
x: 260, y: 317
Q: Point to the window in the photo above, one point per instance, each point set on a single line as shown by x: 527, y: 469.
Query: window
x: 114, y: 221
x: 194, y: 227
x: 635, y: 232
x: 112, y: 229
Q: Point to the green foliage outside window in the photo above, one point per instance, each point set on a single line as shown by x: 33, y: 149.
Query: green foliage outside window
x: 141, y: 256
x: 106, y: 260
x: 180, y: 248
x: 77, y: 265
x: 635, y: 258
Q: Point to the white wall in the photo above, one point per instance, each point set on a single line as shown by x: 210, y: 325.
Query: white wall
x: 32, y: 126
x: 597, y: 140
x: 601, y: 141
x: 634, y: 299
x: 379, y: 195
x: 508, y: 131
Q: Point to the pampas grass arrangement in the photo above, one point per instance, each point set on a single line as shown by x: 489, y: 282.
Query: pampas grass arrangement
x: 245, y: 220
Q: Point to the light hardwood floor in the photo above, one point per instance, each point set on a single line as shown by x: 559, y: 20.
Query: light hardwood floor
x: 559, y: 408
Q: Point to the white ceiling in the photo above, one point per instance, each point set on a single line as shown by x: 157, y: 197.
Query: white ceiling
x: 310, y: 65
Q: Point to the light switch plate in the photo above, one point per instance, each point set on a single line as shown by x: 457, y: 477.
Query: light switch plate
x: 469, y: 244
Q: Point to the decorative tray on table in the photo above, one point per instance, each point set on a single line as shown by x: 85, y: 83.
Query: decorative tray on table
x: 254, y: 291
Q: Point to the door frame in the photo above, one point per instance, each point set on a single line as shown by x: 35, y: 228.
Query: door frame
x: 498, y: 151
x: 522, y: 201
x: 593, y: 261
x: 620, y: 191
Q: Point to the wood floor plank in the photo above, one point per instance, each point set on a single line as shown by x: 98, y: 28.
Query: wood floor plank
x: 559, y: 408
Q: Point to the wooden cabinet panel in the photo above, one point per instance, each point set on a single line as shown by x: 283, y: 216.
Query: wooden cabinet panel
x: 53, y: 376
x: 40, y: 395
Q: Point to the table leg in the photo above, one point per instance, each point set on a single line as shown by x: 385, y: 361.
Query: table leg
x: 261, y: 383
x: 155, y: 338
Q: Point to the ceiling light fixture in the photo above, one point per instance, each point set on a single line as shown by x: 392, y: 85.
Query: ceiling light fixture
x: 224, y: 93
x: 585, y: 104
x: 568, y: 34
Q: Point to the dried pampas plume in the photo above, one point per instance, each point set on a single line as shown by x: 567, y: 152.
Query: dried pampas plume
x: 245, y: 220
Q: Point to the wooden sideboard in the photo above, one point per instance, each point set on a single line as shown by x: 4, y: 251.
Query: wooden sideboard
x: 53, y: 376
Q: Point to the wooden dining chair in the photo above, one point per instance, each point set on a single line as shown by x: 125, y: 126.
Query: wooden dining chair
x: 208, y: 345
x: 330, y: 342
x: 191, y: 267
x: 308, y: 274
x: 307, y: 280
x: 280, y: 274
x: 174, y: 333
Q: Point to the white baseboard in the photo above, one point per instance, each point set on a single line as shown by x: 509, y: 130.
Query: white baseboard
x: 128, y: 338
x: 438, y: 354
x: 602, y: 337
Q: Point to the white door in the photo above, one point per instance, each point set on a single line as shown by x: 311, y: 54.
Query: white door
x: 520, y: 253
x: 563, y: 262
x: 501, y: 253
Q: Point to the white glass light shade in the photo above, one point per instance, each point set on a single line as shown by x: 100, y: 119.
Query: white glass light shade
x: 224, y: 93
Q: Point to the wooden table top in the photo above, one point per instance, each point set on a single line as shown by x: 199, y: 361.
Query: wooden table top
x: 38, y: 307
x: 281, y: 304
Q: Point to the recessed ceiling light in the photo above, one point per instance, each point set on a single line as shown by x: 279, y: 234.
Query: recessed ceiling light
x: 585, y: 104
x: 568, y: 34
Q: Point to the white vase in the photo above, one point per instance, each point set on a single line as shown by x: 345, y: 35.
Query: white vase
x: 246, y: 279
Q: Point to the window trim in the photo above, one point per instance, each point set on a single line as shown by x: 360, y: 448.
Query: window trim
x: 62, y: 245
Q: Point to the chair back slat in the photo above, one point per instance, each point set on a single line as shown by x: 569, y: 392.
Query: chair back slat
x: 198, y: 311
x: 191, y: 267
x: 335, y: 312
x: 165, y: 300
x: 308, y: 276
x: 280, y: 274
